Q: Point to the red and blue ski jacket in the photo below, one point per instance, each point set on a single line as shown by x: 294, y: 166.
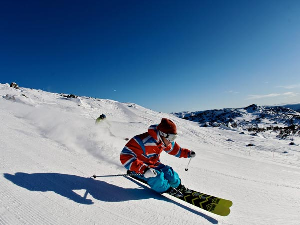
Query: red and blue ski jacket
x: 144, y: 150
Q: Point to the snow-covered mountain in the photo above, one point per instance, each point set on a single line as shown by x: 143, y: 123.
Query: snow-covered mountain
x: 295, y: 107
x: 282, y: 120
x: 50, y: 146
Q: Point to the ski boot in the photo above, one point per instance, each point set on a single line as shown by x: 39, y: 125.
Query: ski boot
x: 183, y: 189
x: 174, y: 192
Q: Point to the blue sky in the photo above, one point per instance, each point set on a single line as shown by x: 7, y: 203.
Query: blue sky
x: 168, y: 56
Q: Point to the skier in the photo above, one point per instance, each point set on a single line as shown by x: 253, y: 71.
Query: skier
x: 141, y: 155
x: 100, y: 118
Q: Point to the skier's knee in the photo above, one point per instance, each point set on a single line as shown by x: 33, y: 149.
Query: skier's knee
x: 159, y: 183
x: 172, y: 177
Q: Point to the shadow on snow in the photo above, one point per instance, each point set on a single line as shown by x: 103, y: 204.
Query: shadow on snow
x: 66, y: 185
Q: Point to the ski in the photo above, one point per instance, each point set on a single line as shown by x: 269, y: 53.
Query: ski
x: 210, y: 203
x: 207, y: 202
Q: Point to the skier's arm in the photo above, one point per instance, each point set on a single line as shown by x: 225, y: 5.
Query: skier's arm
x: 177, y: 151
x: 130, y: 157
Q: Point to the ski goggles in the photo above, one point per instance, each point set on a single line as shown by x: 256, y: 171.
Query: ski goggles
x: 169, y: 137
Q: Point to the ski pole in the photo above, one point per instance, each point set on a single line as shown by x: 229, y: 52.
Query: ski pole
x: 187, y: 167
x: 118, y: 175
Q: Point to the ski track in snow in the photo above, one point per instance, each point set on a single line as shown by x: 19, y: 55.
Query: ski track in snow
x: 50, y: 146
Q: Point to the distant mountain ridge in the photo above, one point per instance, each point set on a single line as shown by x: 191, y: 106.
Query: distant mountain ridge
x: 251, y: 118
x: 295, y: 107
x: 282, y: 119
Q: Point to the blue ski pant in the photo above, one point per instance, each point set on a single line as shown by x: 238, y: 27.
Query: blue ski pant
x: 166, y: 178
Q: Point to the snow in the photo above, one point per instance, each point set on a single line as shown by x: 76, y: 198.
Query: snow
x: 50, y: 146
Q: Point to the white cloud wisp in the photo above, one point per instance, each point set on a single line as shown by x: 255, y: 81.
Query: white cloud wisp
x: 272, y: 95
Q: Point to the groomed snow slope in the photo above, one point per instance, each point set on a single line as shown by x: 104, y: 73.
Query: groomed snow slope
x: 50, y: 145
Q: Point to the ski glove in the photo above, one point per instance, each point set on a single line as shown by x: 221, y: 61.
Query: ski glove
x: 150, y: 172
x: 192, y: 154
